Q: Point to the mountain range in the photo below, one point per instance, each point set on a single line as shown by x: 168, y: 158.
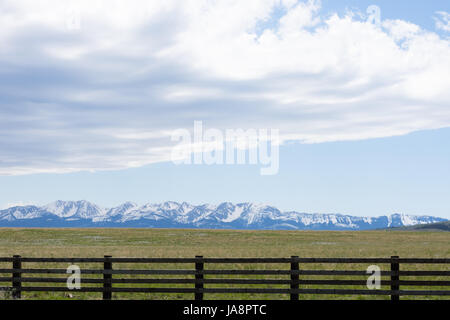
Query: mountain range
x: 184, y: 215
x: 438, y: 226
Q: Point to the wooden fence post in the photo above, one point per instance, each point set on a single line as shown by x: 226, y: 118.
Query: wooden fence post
x: 199, y: 278
x: 395, y: 267
x: 294, y: 276
x: 17, y: 281
x: 107, y: 279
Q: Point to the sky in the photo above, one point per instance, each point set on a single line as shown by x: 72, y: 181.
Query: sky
x: 91, y: 93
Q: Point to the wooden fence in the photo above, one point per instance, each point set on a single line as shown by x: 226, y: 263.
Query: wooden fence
x: 198, y: 277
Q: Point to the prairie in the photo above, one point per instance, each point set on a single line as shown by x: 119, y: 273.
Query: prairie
x: 174, y: 243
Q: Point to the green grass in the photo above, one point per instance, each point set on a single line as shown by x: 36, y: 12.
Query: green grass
x: 221, y: 243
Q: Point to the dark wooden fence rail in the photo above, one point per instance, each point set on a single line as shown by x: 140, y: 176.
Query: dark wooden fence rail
x: 293, y: 283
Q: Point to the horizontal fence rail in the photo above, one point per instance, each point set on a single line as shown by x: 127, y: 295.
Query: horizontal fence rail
x: 292, y: 274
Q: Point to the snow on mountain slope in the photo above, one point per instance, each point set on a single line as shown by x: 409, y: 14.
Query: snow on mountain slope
x: 174, y: 214
x: 75, y: 210
x: 17, y: 213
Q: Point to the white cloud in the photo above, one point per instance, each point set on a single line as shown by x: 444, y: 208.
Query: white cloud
x: 400, y: 30
x: 301, y: 16
x: 106, y: 95
x: 443, y: 21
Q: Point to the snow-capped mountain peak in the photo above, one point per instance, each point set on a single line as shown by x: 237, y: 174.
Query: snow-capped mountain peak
x: 172, y: 214
x: 74, y: 209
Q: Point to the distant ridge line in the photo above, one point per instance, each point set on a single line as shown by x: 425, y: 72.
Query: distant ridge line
x: 170, y: 214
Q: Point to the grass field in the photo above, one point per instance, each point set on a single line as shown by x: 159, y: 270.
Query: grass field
x: 220, y: 243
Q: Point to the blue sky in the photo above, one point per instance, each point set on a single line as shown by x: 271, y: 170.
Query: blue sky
x: 372, y: 177
x: 418, y: 12
x: 88, y: 102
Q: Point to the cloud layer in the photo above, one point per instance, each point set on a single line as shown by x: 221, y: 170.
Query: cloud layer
x: 94, y: 85
x: 443, y: 21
